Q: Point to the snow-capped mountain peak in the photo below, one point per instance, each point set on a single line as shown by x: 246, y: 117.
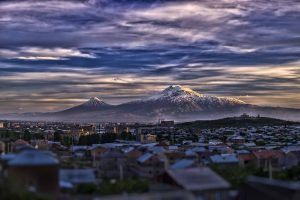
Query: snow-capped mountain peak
x: 180, y: 94
x: 175, y: 93
x: 94, y: 102
x: 176, y: 90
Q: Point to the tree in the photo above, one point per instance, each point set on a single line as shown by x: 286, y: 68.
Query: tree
x: 89, y: 139
x: 27, y: 136
x: 57, y: 136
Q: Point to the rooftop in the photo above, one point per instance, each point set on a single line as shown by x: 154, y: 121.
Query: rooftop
x: 34, y: 158
x: 198, y: 179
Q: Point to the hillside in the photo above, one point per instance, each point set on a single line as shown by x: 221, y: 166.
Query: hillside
x: 236, y: 122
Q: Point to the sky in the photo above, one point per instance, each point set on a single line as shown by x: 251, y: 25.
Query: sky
x: 57, y: 54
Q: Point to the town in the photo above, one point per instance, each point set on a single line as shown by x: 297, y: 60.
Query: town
x: 247, y: 158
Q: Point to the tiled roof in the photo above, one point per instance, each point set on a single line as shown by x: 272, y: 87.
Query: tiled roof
x: 268, y: 154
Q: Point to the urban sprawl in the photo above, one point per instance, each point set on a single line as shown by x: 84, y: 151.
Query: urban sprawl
x: 163, y: 160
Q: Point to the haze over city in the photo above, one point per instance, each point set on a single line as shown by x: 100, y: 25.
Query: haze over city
x: 57, y: 54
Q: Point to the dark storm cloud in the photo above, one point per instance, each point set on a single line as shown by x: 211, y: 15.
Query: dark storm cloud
x: 62, y: 52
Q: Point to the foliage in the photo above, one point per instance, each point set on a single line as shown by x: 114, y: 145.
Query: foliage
x: 57, y: 136
x: 86, y: 188
x: 10, y: 191
x: 66, y: 141
x: 129, y: 186
x: 236, y: 174
x: 89, y: 139
x: 27, y: 136
x: 292, y: 174
x: 114, y: 187
x: 104, y: 138
x: 9, y: 134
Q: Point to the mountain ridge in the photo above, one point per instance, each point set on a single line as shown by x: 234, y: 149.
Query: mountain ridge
x: 174, y: 102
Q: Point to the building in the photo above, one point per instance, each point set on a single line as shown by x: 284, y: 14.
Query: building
x: 69, y: 178
x: 2, y: 125
x: 224, y: 159
x: 148, y: 138
x: 292, y: 158
x: 246, y: 160
x: 266, y: 189
x: 150, y: 165
x: 201, y: 181
x: 264, y: 158
x: 113, y: 164
x: 36, y: 170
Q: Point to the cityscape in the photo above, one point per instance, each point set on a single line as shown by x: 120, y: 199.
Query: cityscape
x: 149, y: 100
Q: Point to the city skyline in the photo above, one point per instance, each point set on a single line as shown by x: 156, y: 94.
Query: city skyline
x: 57, y: 54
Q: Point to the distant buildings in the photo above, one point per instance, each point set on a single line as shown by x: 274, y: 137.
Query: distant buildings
x: 1, y: 125
x: 170, y: 158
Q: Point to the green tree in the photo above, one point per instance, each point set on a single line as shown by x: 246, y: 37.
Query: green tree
x: 57, y: 136
x: 27, y: 136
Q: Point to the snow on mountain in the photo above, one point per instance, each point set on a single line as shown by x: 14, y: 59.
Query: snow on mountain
x: 176, y: 100
x: 94, y: 102
x: 175, y: 92
x: 179, y: 94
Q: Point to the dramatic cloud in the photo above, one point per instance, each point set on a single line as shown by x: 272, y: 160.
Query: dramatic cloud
x: 36, y: 53
x: 58, y: 53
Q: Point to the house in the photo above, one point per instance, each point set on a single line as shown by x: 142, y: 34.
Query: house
x: 96, y: 151
x: 246, y: 160
x: 132, y: 154
x: 37, y: 170
x: 174, y: 156
x: 148, y: 138
x: 292, y: 158
x: 201, y: 181
x: 183, y: 164
x: 20, y: 144
x: 266, y: 189
x: 4, y: 159
x: 237, y: 139
x: 69, y: 178
x: 113, y: 164
x: 79, y: 151
x: 264, y: 158
x: 150, y: 165
x: 224, y: 159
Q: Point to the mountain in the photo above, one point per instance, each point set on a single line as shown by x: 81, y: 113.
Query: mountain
x: 176, y: 99
x: 93, y: 104
x: 174, y: 103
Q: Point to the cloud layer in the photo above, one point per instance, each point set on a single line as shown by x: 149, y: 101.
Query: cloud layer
x: 58, y: 53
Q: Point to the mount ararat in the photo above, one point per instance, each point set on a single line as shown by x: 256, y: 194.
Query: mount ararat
x: 173, y: 103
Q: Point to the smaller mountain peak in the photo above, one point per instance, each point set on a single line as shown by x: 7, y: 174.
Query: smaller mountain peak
x: 94, y: 101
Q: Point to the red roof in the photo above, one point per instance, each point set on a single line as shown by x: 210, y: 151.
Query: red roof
x: 268, y: 154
